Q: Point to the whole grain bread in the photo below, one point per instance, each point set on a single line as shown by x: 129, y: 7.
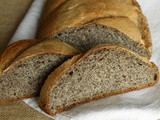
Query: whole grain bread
x: 103, y: 71
x: 118, y: 31
x: 64, y: 18
x: 23, y: 75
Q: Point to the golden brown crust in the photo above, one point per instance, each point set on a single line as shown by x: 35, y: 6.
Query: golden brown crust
x: 50, y: 6
x: 12, y: 51
x: 47, y: 46
x: 54, y: 77
x: 14, y: 100
x: 66, y: 17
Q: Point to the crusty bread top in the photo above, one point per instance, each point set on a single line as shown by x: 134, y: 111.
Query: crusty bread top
x: 51, y: 5
x: 48, y: 46
x: 66, y: 17
x: 14, y: 50
x: 54, y: 77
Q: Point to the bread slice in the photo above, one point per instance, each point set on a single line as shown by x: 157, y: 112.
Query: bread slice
x: 117, y: 31
x: 103, y: 71
x: 102, y: 9
x: 24, y: 76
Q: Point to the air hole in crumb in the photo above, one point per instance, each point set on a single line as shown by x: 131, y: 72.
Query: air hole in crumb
x: 140, y: 64
x: 59, y: 34
x: 49, y: 61
x: 123, y: 76
x: 155, y: 77
x: 15, y: 94
x: 71, y: 73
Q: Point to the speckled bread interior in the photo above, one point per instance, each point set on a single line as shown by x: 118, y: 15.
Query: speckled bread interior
x: 103, y: 71
x: 23, y: 76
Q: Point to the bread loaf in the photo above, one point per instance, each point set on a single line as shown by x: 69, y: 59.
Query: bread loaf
x: 72, y: 15
x: 23, y: 73
x: 103, y: 71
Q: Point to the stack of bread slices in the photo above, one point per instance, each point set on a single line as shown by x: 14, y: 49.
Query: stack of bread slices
x: 85, y: 50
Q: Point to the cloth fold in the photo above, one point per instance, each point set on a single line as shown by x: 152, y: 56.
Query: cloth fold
x: 137, y: 105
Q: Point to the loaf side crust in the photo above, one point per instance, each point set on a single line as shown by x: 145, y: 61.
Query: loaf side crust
x: 15, y: 100
x: 50, y: 6
x: 54, y: 77
x: 144, y: 27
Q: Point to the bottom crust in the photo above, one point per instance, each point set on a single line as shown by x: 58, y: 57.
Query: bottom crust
x: 15, y: 100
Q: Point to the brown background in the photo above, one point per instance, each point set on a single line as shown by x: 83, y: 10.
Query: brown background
x: 11, y: 14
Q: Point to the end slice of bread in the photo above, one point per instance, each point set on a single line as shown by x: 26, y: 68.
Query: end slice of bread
x: 13, y: 51
x: 103, y: 71
x: 26, y: 74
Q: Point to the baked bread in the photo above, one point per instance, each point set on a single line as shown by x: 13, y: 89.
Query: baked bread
x: 103, y: 71
x: 50, y: 6
x: 62, y: 22
x: 14, y: 50
x: 23, y: 75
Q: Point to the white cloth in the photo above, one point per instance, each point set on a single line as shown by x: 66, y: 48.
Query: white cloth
x: 138, y: 105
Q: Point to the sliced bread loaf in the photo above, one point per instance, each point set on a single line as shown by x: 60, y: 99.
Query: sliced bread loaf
x: 63, y: 20
x: 103, y: 71
x: 24, y: 76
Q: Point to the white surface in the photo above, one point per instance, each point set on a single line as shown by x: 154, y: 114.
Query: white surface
x: 139, y: 105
